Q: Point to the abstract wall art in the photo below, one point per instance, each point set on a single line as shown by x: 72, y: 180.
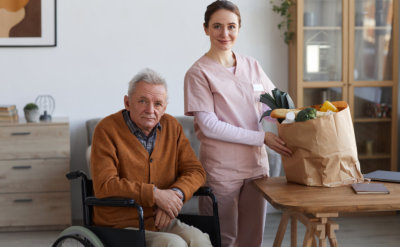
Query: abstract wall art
x: 28, y: 23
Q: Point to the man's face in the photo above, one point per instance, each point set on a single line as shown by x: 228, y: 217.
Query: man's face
x: 146, y: 105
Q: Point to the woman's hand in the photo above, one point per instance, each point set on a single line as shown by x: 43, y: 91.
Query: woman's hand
x: 277, y: 144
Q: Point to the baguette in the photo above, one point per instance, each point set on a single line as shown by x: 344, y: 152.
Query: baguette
x: 281, y: 113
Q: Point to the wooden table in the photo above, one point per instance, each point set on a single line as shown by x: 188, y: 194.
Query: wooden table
x: 315, y: 206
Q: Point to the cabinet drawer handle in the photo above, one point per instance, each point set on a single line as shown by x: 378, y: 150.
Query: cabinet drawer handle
x: 20, y: 133
x: 21, y: 167
x: 23, y: 200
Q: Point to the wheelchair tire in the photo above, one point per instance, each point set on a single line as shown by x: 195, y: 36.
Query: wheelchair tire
x: 77, y: 236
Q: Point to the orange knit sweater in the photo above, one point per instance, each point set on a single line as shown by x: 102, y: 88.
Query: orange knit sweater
x: 121, y: 167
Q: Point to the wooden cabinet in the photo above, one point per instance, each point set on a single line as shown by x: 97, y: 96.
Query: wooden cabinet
x: 34, y: 192
x: 347, y: 50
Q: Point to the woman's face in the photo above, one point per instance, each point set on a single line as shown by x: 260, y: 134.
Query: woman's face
x: 223, y: 29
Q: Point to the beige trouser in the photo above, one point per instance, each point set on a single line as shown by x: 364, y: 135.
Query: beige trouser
x: 177, y: 234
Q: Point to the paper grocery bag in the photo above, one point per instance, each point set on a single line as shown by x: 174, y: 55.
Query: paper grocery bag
x: 324, y: 151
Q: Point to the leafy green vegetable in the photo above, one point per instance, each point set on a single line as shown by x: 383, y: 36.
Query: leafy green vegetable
x: 306, y: 114
x: 278, y: 99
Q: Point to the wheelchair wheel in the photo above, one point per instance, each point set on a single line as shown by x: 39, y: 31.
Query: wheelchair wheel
x: 77, y: 236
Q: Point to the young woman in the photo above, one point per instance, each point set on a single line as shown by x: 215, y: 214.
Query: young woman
x: 222, y: 91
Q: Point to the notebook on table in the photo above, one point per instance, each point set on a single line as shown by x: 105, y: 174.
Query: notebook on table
x: 370, y: 188
x: 386, y: 176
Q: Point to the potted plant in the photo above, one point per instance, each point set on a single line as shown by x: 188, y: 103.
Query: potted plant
x: 31, y: 112
x: 282, y: 8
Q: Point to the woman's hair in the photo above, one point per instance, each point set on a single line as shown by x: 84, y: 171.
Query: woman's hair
x: 217, y: 5
x: 149, y: 76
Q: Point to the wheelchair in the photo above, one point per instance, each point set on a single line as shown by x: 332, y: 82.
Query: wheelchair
x: 90, y: 235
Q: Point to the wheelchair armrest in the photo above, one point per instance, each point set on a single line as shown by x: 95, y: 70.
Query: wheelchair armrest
x: 203, y: 191
x: 117, y: 202
x: 113, y: 202
x: 206, y: 191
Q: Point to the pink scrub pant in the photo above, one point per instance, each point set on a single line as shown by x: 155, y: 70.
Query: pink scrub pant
x: 242, y: 211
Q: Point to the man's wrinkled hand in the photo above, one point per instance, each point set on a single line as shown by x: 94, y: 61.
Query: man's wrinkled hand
x: 162, y: 219
x: 169, y: 201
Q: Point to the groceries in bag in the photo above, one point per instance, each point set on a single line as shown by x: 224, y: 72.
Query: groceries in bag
x: 324, y: 146
x: 324, y: 150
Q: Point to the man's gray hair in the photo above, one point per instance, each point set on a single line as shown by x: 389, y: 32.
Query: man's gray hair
x: 149, y: 76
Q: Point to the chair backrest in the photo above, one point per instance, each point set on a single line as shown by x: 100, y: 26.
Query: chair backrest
x: 186, y: 122
x: 90, y: 126
x: 188, y: 129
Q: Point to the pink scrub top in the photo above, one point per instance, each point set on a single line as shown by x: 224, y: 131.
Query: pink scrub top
x: 234, y: 98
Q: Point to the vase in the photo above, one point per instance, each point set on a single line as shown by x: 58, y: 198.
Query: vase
x: 32, y: 116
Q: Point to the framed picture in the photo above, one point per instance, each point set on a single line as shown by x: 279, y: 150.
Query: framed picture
x: 28, y: 23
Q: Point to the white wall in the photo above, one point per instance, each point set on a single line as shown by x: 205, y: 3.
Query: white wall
x: 102, y: 44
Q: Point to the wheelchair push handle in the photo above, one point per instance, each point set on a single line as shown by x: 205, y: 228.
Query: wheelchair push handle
x: 206, y: 191
x: 76, y: 174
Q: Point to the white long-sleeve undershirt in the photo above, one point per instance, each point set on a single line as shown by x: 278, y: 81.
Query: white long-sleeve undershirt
x: 214, y: 128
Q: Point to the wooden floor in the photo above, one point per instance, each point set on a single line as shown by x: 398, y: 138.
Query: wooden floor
x: 374, y: 231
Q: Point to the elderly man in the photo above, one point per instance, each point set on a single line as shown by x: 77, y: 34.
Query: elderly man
x: 142, y: 153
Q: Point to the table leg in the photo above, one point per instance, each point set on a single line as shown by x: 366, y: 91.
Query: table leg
x: 320, y: 232
x: 314, y: 242
x: 322, y: 242
x: 331, y: 227
x: 281, y: 229
x: 319, y: 226
x: 308, y: 238
x: 327, y: 229
x: 293, y: 231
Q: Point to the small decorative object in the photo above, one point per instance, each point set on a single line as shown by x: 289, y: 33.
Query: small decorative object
x: 369, y: 147
x: 376, y: 110
x: 46, y: 105
x: 31, y: 111
x: 359, y: 19
x: 380, y: 18
x: 309, y: 19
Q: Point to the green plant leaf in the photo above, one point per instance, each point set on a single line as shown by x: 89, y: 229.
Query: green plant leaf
x: 31, y: 106
x: 284, y: 102
x: 290, y: 102
x: 265, y: 114
x: 277, y: 93
x: 268, y: 100
x: 282, y: 8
